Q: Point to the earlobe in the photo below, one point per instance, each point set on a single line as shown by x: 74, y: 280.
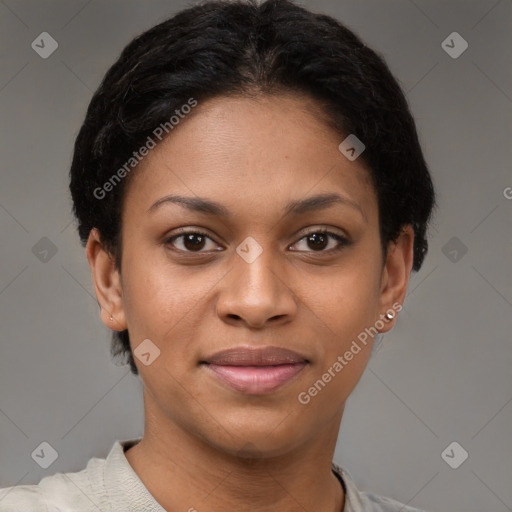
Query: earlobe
x: 396, y: 275
x: 107, y: 282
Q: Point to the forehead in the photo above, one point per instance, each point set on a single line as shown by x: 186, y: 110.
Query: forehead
x: 252, y: 151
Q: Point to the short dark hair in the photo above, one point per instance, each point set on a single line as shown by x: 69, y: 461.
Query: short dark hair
x: 223, y: 48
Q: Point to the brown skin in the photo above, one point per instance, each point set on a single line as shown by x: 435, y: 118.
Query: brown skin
x: 205, y: 445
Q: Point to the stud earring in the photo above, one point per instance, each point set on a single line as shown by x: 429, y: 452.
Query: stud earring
x: 390, y: 316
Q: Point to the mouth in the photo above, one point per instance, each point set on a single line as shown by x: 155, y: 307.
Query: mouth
x: 255, y: 371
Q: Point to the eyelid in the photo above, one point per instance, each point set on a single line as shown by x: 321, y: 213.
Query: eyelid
x: 169, y: 240
x: 342, y: 239
x: 320, y: 229
x: 191, y: 230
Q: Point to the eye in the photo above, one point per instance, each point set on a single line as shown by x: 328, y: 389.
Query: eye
x: 319, y: 240
x: 191, y: 241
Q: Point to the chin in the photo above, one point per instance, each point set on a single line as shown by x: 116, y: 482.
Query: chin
x: 267, y: 440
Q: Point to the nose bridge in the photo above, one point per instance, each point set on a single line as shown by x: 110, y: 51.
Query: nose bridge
x: 258, y: 271
x: 255, y: 292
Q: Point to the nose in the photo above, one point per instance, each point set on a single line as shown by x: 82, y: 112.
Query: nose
x: 256, y: 294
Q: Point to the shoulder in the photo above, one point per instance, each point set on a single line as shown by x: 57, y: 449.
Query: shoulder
x: 79, y: 491
x: 21, y: 498
x: 378, y: 503
x: 362, y: 501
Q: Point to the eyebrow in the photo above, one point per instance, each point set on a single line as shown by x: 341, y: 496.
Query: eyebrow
x: 296, y: 207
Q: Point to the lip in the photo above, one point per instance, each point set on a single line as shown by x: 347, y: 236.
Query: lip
x: 255, y: 371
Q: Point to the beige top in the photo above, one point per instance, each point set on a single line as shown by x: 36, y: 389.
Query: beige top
x: 111, y: 485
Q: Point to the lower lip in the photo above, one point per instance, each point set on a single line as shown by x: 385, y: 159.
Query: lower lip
x: 256, y: 380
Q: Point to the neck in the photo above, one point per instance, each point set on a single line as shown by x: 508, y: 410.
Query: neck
x: 184, y: 472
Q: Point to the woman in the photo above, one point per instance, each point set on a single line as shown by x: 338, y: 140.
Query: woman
x: 253, y: 197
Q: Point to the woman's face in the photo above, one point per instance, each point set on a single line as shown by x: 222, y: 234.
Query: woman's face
x: 254, y: 275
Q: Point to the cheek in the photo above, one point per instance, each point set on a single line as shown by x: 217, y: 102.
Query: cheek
x: 325, y: 395
x: 152, y: 297
x: 345, y: 298
x: 163, y: 302
x: 341, y: 308
x: 342, y: 315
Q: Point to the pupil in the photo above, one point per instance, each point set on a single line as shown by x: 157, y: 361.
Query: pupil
x: 189, y: 241
x: 318, y: 237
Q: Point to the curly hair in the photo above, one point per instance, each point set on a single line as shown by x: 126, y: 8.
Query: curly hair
x: 222, y: 48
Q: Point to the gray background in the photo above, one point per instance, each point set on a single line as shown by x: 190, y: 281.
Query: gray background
x: 443, y: 374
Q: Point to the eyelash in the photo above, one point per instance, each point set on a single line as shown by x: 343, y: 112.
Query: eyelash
x: 342, y: 241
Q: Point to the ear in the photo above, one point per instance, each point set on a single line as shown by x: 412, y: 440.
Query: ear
x: 107, y: 283
x: 395, y: 276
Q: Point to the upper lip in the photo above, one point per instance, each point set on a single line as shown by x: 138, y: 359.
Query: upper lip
x: 245, y: 356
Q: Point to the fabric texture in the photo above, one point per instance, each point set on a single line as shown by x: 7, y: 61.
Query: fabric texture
x: 111, y: 485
